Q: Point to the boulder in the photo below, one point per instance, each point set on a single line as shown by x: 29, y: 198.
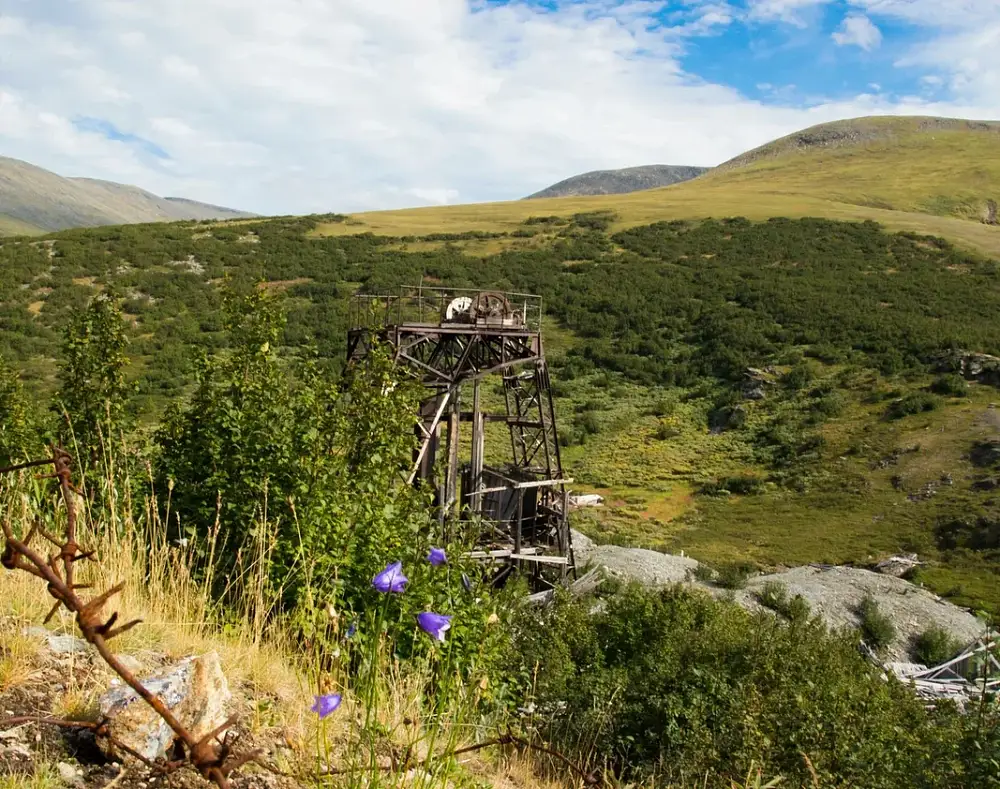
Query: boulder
x: 58, y: 644
x: 898, y: 566
x: 981, y: 367
x: 194, y: 690
x: 990, y: 213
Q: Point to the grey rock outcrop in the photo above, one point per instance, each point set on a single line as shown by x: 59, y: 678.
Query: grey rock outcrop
x: 613, y: 182
x: 833, y: 592
x: 195, y: 690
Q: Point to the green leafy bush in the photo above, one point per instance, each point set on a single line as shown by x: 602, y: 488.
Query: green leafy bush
x: 18, y: 437
x: 913, y: 403
x: 674, y: 683
x: 934, y: 646
x: 950, y: 386
x: 774, y: 595
x: 94, y: 391
x: 741, y: 485
x: 798, y: 377
x: 733, y: 575
x: 877, y: 629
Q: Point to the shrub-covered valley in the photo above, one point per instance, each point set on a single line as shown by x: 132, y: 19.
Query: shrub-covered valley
x: 863, y: 442
x: 754, y: 394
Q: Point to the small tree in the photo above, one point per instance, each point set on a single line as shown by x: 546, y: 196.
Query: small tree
x: 17, y: 423
x: 94, y: 392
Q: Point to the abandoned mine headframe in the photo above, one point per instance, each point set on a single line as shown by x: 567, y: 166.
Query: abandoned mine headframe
x: 453, y: 340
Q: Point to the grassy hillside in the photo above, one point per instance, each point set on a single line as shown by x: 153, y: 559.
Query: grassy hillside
x: 15, y: 227
x: 37, y: 198
x: 923, y: 175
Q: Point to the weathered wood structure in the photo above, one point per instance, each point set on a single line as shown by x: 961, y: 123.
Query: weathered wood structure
x: 963, y: 678
x: 453, y: 340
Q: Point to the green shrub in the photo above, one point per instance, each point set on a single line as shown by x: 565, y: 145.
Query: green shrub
x: 934, y: 646
x: 829, y: 405
x: 733, y: 575
x: 774, y: 595
x: 587, y: 423
x: 877, y: 629
x: 18, y: 429
x: 665, y: 406
x: 665, y: 431
x: 741, y: 485
x: 913, y: 403
x: 674, y: 683
x: 798, y: 377
x: 950, y: 386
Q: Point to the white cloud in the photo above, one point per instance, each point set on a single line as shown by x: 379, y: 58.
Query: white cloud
x: 858, y: 30
x: 295, y: 106
x: 960, y: 42
x: 790, y: 11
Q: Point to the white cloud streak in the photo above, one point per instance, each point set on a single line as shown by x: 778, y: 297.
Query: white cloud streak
x: 297, y: 106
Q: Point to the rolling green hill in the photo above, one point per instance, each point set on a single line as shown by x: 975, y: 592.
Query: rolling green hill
x: 926, y: 175
x: 774, y: 392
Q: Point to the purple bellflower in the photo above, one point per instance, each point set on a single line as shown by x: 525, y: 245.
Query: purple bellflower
x: 437, y: 557
x: 466, y: 583
x: 324, y: 705
x: 434, y: 624
x: 391, y: 579
x: 352, y: 629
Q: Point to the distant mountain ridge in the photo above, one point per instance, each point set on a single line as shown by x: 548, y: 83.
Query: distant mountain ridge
x: 615, y: 182
x: 35, y: 198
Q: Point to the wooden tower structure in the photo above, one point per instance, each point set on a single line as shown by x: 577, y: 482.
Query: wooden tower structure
x: 453, y: 341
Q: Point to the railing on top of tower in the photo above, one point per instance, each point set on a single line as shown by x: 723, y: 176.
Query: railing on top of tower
x: 474, y: 308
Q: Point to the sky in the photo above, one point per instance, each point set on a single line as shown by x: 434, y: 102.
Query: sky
x: 313, y: 106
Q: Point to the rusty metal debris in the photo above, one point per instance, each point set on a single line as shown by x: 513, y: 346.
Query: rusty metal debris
x: 210, y: 756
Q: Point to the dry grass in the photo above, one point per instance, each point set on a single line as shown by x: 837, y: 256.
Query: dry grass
x: 44, y: 776
x: 19, y: 655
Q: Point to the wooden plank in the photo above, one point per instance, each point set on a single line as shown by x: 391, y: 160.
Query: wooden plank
x: 499, y: 553
x: 522, y: 485
x: 540, y: 559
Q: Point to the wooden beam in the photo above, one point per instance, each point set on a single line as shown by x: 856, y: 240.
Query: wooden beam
x: 522, y: 485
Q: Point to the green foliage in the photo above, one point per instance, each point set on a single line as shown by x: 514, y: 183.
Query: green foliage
x: 798, y: 377
x: 877, y: 629
x: 774, y: 595
x: 913, y: 403
x: 94, y: 391
x: 308, y: 453
x: 950, y: 386
x: 934, y: 646
x: 17, y: 421
x: 741, y: 485
x: 304, y: 470
x: 673, y: 683
x: 733, y: 575
x: 830, y: 404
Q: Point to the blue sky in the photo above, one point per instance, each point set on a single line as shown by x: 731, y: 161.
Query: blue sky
x: 295, y: 106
